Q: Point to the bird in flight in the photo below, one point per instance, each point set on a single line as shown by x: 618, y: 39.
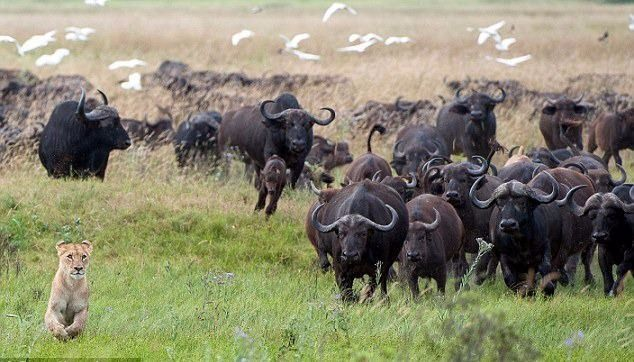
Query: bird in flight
x: 133, y: 82
x: 74, y: 33
x: 52, y: 59
x: 512, y: 62
x: 490, y: 31
x: 239, y: 36
x: 34, y: 42
x: 293, y: 43
x: 359, y: 48
x: 127, y: 64
x: 336, y: 7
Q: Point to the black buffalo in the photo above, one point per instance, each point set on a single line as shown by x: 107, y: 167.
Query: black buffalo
x: 416, y: 145
x: 529, y: 232
x: 280, y: 127
x: 364, y: 225
x: 612, y: 224
x: 468, y: 123
x: 434, y: 238
x: 563, y: 116
x: 195, y: 140
x: 368, y: 165
x: 77, y: 144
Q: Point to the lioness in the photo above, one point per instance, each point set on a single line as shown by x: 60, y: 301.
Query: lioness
x: 68, y: 306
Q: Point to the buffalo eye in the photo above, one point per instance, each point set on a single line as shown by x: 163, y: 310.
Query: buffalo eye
x: 460, y: 109
x: 580, y: 109
x: 550, y: 110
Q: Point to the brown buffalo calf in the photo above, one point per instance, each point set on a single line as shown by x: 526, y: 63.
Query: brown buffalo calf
x: 612, y: 132
x: 272, y: 182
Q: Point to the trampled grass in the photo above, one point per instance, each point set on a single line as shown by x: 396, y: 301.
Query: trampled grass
x: 164, y: 240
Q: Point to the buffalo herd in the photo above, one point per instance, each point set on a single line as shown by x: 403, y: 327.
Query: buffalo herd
x: 418, y: 215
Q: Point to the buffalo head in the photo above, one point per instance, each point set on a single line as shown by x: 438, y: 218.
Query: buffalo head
x: 293, y: 125
x: 353, y: 232
x: 103, y: 124
x: 418, y: 239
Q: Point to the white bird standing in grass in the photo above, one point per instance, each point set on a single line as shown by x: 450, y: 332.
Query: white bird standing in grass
x: 34, y: 42
x: 294, y: 42
x: 503, y: 45
x: 490, y: 31
x: 511, y: 62
x: 359, y: 48
x: 127, y: 64
x: 336, y: 7
x: 95, y: 2
x: 238, y: 37
x: 397, y: 40
x: 74, y: 33
x: 631, y: 22
x: 302, y: 55
x: 133, y: 82
x: 52, y: 59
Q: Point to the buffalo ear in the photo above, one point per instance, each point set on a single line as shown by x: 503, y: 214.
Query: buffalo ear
x: 459, y: 108
x: 549, y: 110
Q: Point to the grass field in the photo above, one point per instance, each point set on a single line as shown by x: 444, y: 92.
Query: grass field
x: 165, y: 241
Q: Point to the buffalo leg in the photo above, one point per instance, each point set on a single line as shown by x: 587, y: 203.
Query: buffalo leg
x: 545, y: 269
x: 272, y: 207
x: 369, y: 290
x: 324, y: 263
x: 617, y: 158
x: 570, y: 270
x: 441, y: 278
x: 621, y: 272
x: 606, y: 270
x: 460, y: 268
x: 385, y: 274
x: 606, y: 157
x: 296, y: 171
x: 412, y: 281
x: 345, y: 287
x: 586, y: 256
x: 510, y: 276
x: 261, y: 199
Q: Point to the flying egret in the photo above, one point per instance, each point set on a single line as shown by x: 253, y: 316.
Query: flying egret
x: 336, y: 7
x: 489, y: 31
x: 293, y: 43
x: 133, y: 82
x: 631, y: 26
x: 397, y: 40
x: 513, y: 61
x: 359, y: 48
x: 52, y: 59
x: 303, y: 56
x: 127, y: 64
x: 244, y: 34
x: 34, y: 42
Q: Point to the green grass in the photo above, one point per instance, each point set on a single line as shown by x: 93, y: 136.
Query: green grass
x: 164, y: 241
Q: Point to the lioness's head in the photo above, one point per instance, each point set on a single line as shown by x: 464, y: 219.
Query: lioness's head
x: 74, y: 258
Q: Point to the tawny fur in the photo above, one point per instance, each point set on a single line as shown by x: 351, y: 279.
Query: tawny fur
x: 67, y: 310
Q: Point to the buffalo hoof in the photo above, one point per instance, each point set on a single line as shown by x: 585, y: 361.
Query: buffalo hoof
x: 325, y: 266
x: 589, y: 280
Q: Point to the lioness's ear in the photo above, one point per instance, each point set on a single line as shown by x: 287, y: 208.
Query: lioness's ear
x: 60, y: 246
x: 87, y: 245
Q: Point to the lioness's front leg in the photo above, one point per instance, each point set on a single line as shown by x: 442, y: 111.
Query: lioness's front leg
x: 78, y: 323
x: 53, y: 324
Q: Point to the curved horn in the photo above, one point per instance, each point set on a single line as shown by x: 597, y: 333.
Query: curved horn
x: 579, y: 166
x: 551, y: 101
x: 103, y: 97
x: 540, y: 197
x: 396, y: 152
x: 620, y: 181
x: 375, y: 177
x: 413, y: 182
x: 81, y: 111
x: 513, y: 150
x: 319, y: 226
x: 501, y: 98
x: 459, y: 98
x: 402, y: 107
x: 434, y: 225
x: 572, y: 205
x: 578, y: 99
x: 632, y: 193
x: 474, y: 199
x: 380, y: 227
x: 481, y: 171
x: 314, y: 188
x: 434, y: 160
x: 267, y: 115
x: 325, y: 121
